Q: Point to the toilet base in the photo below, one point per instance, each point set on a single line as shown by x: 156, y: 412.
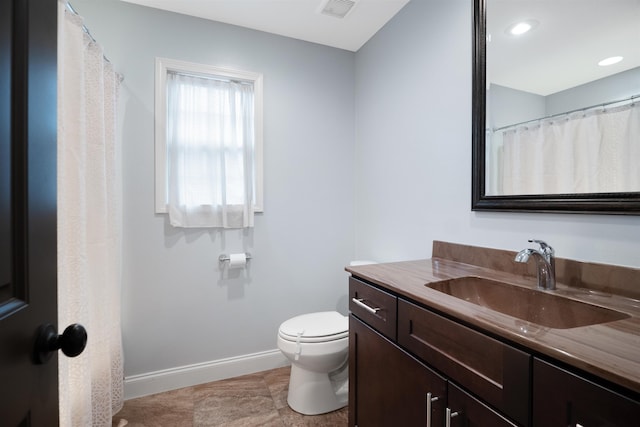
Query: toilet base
x: 313, y: 393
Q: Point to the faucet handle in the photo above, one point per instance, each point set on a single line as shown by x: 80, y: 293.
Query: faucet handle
x: 546, y: 249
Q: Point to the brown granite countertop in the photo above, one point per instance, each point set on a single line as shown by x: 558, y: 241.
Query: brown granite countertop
x: 609, y: 350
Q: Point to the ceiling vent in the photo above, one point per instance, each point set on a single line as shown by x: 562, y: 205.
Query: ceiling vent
x: 337, y: 8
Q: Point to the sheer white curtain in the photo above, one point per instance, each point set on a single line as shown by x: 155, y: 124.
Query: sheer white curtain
x: 210, y: 152
x: 585, y: 152
x: 89, y: 229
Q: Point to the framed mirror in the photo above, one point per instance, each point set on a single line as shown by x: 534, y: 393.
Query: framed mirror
x: 553, y: 131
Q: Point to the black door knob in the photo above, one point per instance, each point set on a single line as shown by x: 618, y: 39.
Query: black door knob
x: 72, y: 342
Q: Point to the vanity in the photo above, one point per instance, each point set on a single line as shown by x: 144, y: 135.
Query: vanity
x: 466, y: 339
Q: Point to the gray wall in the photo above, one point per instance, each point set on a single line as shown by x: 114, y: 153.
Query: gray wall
x: 510, y: 106
x: 366, y: 156
x: 413, y: 152
x: 616, y: 87
x: 178, y: 308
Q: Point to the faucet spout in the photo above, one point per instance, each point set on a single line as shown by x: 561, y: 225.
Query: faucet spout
x: 545, y: 264
x: 523, y: 255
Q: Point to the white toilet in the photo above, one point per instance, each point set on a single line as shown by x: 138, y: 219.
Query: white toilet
x: 317, y: 344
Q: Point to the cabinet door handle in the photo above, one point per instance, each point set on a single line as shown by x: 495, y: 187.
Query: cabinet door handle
x: 359, y: 302
x: 448, y: 417
x: 430, y: 399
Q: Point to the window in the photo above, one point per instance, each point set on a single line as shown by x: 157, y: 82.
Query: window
x: 208, y: 137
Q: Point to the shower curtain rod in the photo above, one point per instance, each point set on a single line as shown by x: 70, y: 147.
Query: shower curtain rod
x: 631, y: 98
x: 84, y: 28
x: 87, y: 32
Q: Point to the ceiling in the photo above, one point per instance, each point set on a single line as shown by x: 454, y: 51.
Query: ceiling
x: 563, y: 50
x: 560, y: 53
x: 299, y: 19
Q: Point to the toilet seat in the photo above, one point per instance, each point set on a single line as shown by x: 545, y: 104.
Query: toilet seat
x: 315, y: 327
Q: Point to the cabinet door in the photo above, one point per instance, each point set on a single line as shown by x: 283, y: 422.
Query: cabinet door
x: 388, y: 387
x: 467, y: 411
x: 561, y: 398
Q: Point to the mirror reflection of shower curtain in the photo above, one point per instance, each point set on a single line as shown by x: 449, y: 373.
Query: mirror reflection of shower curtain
x: 89, y: 226
x: 594, y: 151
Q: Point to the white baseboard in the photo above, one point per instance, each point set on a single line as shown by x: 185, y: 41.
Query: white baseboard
x: 187, y: 376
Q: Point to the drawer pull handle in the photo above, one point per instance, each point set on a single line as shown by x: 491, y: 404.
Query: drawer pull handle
x: 448, y: 417
x: 430, y: 399
x: 359, y: 302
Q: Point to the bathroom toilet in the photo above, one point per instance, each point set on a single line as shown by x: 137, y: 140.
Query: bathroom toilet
x: 317, y: 344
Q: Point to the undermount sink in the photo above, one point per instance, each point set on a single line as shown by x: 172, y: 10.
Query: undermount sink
x: 530, y: 305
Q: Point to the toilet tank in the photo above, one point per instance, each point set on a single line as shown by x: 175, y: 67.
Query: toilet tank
x: 361, y: 262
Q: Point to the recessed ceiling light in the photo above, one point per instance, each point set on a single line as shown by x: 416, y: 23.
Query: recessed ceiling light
x: 610, y: 61
x: 519, y: 28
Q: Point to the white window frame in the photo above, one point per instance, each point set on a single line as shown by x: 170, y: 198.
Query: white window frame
x: 164, y: 65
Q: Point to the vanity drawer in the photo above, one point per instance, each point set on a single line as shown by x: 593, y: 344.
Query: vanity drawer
x: 374, y: 306
x: 492, y: 370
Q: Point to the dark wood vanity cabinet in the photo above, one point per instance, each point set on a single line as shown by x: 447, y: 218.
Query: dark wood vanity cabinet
x: 410, y: 366
x: 388, y: 386
x: 562, y: 398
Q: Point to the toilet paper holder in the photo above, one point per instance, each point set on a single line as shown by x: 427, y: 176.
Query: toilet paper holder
x: 226, y: 258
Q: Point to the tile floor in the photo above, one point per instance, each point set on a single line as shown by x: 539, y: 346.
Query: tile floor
x: 251, y: 400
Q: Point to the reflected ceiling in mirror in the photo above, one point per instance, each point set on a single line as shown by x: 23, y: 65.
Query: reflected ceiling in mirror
x: 559, y: 132
x: 562, y: 51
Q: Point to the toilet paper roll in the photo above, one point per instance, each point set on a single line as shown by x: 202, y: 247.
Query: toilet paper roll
x: 237, y: 260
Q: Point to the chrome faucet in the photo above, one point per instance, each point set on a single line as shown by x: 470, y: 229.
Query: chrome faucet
x: 545, y: 263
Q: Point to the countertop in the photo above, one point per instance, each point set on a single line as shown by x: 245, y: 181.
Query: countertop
x: 610, y: 350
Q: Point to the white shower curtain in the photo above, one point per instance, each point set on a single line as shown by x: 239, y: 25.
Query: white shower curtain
x: 89, y: 226
x: 596, y: 151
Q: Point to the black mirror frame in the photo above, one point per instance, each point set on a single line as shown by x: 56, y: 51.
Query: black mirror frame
x: 594, y: 203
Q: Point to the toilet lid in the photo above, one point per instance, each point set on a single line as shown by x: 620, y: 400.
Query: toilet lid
x: 315, y: 327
